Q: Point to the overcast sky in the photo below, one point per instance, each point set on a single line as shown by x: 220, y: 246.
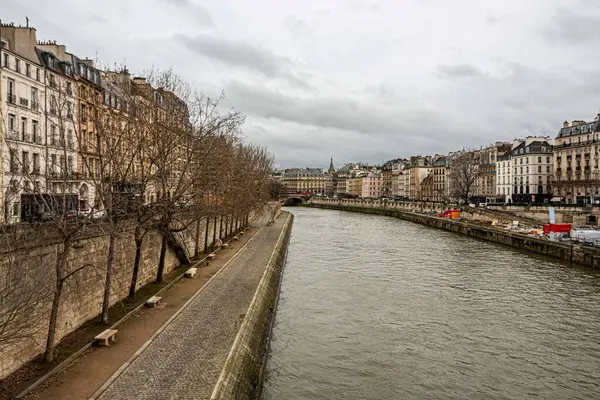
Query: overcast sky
x: 351, y: 79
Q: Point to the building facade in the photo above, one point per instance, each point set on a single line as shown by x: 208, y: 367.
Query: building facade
x: 23, y: 141
x: 576, y: 155
x: 371, y: 185
x: 532, y: 170
x: 304, y: 180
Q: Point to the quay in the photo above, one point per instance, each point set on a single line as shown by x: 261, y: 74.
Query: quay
x: 571, y: 253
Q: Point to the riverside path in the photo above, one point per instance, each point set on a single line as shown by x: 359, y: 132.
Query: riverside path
x: 185, y: 359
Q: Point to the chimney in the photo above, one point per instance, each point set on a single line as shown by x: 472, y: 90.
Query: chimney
x: 566, y: 124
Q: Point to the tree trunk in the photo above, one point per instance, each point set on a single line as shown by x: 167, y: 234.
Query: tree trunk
x: 136, y: 265
x: 161, y: 262
x: 108, y: 281
x: 206, y: 235
x: 60, y: 280
x: 215, y: 232
x: 197, y: 247
x: 221, y: 229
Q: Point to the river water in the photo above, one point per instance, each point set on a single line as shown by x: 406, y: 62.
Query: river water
x: 374, y: 307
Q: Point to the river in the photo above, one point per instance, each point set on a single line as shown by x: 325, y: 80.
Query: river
x: 374, y: 307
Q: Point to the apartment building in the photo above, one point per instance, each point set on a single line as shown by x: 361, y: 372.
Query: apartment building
x: 62, y: 174
x: 418, y: 170
x: 23, y: 121
x: 304, y: 180
x: 371, y: 185
x: 440, y: 189
x: 576, y: 154
x: 532, y: 170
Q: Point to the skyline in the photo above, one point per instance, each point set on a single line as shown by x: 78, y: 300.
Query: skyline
x: 369, y: 80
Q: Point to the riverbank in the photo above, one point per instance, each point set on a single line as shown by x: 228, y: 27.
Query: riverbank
x: 186, y: 357
x: 574, y: 254
x: 89, y: 372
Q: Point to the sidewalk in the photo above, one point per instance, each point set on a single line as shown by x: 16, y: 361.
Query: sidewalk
x: 90, y: 371
x: 185, y: 360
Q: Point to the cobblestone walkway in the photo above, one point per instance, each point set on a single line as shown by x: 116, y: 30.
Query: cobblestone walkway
x: 185, y: 359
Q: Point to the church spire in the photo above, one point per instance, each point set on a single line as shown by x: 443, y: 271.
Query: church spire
x: 331, y: 167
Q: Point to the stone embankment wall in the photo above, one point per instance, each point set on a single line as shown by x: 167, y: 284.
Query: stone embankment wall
x: 81, y: 299
x: 586, y: 256
x: 241, y: 377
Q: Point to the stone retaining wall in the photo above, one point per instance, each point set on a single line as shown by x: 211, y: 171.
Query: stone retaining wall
x: 586, y: 256
x: 82, y: 297
x: 241, y: 377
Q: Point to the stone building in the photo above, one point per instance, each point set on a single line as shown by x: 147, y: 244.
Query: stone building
x: 371, y: 185
x: 23, y: 125
x: 304, y: 180
x: 532, y: 170
x: 418, y: 170
x: 576, y: 154
x: 440, y: 189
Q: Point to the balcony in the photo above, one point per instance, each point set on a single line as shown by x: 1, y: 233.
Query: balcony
x: 23, y: 102
x: 11, y: 98
x: 35, y: 105
x: 36, y: 170
x: 37, y: 139
x: 14, y: 135
x: 53, y: 111
x: 27, y: 137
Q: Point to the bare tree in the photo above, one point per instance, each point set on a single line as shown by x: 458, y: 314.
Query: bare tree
x: 462, y: 176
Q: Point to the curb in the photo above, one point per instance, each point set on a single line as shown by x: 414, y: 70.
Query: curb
x: 64, y: 364
x: 135, y: 355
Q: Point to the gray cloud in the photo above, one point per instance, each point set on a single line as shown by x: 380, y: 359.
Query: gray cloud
x: 235, y: 53
x: 355, y: 80
x: 197, y: 12
x: 459, y: 71
x: 344, y: 113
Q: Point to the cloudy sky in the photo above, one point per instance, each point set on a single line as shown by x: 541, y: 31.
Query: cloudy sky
x: 356, y: 80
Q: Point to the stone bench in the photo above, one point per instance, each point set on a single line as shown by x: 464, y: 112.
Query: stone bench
x: 104, y: 339
x: 190, y: 273
x: 153, y: 301
x: 212, y: 256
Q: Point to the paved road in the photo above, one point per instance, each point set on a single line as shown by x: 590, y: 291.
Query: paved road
x: 185, y: 359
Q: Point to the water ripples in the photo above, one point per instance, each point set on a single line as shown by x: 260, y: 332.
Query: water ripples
x: 378, y: 308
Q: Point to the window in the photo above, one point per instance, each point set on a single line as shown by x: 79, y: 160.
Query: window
x: 539, y: 169
x: 548, y: 159
x: 521, y: 160
x: 53, y: 105
x: 34, y: 132
x: 52, y: 81
x: 547, y: 168
x: 18, y: 65
x: 14, y: 161
x: 36, y: 163
x: 53, y: 134
x: 11, y: 122
x: 28, y: 70
x: 52, y: 164
x: 6, y: 64
x: 38, y: 75
x: 539, y: 159
x: 521, y: 170
x: 16, y: 207
x: 69, y: 88
x: 10, y: 91
x: 34, y: 99
x: 24, y: 128
x: 69, y: 164
x: 83, y: 118
x: 526, y: 170
x: 25, y: 162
